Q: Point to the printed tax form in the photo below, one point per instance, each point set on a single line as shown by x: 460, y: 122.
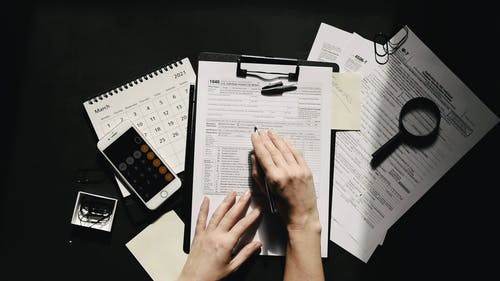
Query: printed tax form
x: 367, y: 201
x: 330, y: 45
x: 228, y: 109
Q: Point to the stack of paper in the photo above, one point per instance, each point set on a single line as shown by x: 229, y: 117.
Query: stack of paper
x: 366, y: 201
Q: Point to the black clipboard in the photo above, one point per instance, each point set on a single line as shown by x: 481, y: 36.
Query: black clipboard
x: 240, y: 72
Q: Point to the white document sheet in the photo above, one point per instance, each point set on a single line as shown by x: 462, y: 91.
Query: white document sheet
x: 158, y: 248
x: 334, y: 45
x: 329, y: 44
x: 228, y: 108
x: 367, y: 202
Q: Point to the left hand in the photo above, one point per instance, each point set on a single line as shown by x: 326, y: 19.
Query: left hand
x: 211, y: 256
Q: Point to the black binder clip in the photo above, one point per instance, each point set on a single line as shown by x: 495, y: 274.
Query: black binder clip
x: 388, y: 47
x: 243, y: 73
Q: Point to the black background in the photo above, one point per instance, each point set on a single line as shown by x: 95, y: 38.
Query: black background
x: 55, y: 55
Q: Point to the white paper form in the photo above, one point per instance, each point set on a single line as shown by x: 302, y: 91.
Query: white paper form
x: 329, y: 44
x: 228, y: 108
x: 334, y: 45
x: 367, y: 202
x: 357, y: 57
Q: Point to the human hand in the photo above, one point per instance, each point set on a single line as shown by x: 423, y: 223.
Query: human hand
x: 288, y: 175
x: 211, y: 257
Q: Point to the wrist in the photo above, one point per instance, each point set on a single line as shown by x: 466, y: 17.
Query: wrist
x: 305, y: 222
x: 189, y: 277
x: 305, y: 235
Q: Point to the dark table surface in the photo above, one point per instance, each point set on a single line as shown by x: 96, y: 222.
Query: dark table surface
x: 56, y: 55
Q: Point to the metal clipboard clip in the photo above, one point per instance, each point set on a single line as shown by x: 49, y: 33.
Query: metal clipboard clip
x: 383, y: 47
x: 243, y: 73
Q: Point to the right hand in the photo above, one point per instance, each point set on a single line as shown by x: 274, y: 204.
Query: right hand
x: 289, y: 176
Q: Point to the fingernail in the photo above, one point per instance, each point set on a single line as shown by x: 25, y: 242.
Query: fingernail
x: 247, y: 194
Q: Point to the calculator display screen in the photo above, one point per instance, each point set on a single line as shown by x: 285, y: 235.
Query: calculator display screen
x: 138, y: 164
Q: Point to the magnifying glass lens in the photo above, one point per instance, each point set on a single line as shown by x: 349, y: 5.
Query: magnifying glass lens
x: 418, y: 126
x: 420, y: 121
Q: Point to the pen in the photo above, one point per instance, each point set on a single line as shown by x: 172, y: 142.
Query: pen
x: 272, y: 85
x: 277, y: 90
x: 270, y: 198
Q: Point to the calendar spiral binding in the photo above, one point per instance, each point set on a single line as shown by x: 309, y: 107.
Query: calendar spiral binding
x: 136, y: 81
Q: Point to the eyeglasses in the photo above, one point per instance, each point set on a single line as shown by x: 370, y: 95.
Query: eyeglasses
x: 95, y: 211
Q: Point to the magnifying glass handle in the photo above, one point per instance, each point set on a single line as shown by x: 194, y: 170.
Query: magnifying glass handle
x: 385, y: 150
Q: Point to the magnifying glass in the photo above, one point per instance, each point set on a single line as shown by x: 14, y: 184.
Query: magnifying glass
x: 418, y: 126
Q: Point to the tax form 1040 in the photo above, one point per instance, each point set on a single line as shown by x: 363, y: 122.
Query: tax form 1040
x: 227, y: 110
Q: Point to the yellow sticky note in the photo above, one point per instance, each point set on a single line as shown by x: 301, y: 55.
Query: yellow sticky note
x: 346, y: 101
x: 158, y: 248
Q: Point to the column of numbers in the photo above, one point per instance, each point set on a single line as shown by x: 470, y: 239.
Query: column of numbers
x: 183, y: 117
x: 163, y: 110
x: 135, y: 115
x: 178, y: 131
x: 167, y: 115
x: 150, y: 119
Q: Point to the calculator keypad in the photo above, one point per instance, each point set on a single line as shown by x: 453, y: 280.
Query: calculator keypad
x: 139, y: 164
